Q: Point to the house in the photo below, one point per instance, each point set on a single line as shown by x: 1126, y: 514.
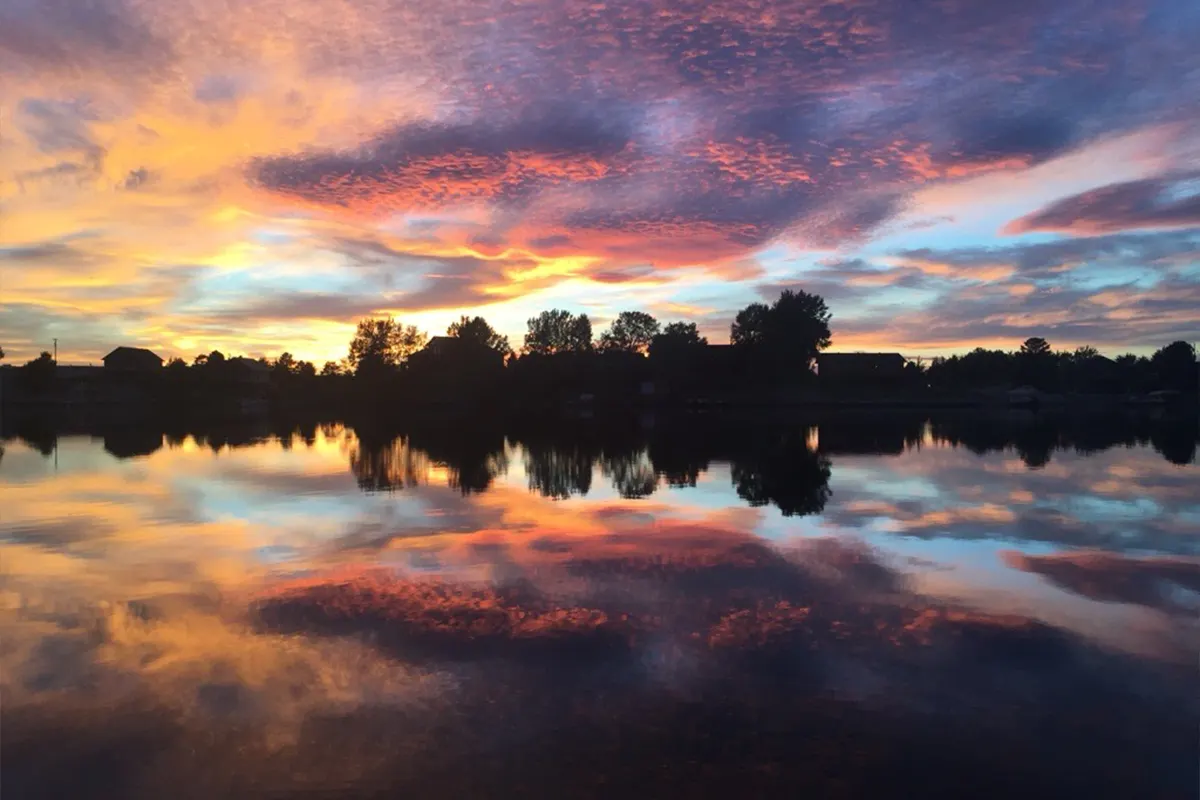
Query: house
x: 132, y: 359
x: 440, y: 346
x: 456, y: 352
x: 247, y: 371
x: 857, y: 367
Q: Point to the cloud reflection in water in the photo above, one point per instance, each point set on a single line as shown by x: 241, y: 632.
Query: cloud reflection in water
x: 464, y: 633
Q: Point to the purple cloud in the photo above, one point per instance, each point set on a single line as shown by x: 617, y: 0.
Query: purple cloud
x: 1171, y: 201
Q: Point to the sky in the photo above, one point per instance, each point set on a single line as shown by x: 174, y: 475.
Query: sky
x: 256, y: 176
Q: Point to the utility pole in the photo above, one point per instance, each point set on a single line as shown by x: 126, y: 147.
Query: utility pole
x: 56, y: 352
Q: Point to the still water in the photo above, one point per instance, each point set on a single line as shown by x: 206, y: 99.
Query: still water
x: 855, y: 606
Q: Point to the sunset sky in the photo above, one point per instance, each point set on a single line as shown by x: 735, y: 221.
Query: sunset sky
x: 255, y: 176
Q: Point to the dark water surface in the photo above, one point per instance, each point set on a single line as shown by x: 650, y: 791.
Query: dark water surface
x: 856, y: 606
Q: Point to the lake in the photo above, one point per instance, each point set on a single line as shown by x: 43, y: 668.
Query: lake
x: 884, y: 604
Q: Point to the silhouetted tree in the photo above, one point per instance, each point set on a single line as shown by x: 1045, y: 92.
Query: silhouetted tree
x: 1175, y: 366
x: 750, y: 325
x: 39, y: 372
x: 979, y: 368
x: 799, y: 325
x: 331, y: 369
x: 786, y: 336
x: 1035, y: 346
x: 558, y: 331
x: 380, y: 343
x: 477, y: 329
x: 677, y: 335
x: 1, y: 353
x: 285, y: 364
x: 1036, y: 363
x: 1085, y: 370
x: 1136, y: 373
x: 630, y: 332
x: 178, y: 375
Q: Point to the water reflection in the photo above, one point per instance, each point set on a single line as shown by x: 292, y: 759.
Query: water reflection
x: 387, y: 465
x: 835, y: 605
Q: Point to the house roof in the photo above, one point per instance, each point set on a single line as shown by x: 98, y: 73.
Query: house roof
x: 130, y: 351
x: 859, y: 356
x: 247, y: 363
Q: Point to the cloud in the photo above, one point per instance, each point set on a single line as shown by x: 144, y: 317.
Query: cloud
x: 423, y: 165
x: 62, y: 36
x: 1158, y: 582
x: 304, y: 306
x: 1056, y: 258
x: 1167, y: 202
x: 59, y: 127
x: 1118, y: 290
x: 731, y: 127
x: 137, y: 178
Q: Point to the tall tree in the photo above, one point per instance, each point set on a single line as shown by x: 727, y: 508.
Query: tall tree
x: 1175, y: 366
x: 39, y: 373
x: 477, y: 329
x: 631, y: 332
x: 798, y: 326
x: 1035, y: 346
x: 558, y: 331
x: 381, y: 342
x: 285, y: 364
x: 331, y: 368
x: 1036, y: 365
x: 579, y: 334
x: 677, y: 336
x: 42, y: 360
x: 750, y: 325
x: 789, y: 333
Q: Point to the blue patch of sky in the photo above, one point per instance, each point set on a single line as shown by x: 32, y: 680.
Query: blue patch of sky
x: 269, y: 236
x: 222, y: 287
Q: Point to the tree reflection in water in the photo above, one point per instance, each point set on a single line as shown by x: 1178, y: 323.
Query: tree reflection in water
x: 785, y: 474
x: 385, y: 465
x: 784, y: 465
x: 558, y: 472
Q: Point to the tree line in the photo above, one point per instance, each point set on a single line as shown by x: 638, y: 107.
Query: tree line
x: 770, y: 346
x: 1036, y: 364
x: 796, y: 324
